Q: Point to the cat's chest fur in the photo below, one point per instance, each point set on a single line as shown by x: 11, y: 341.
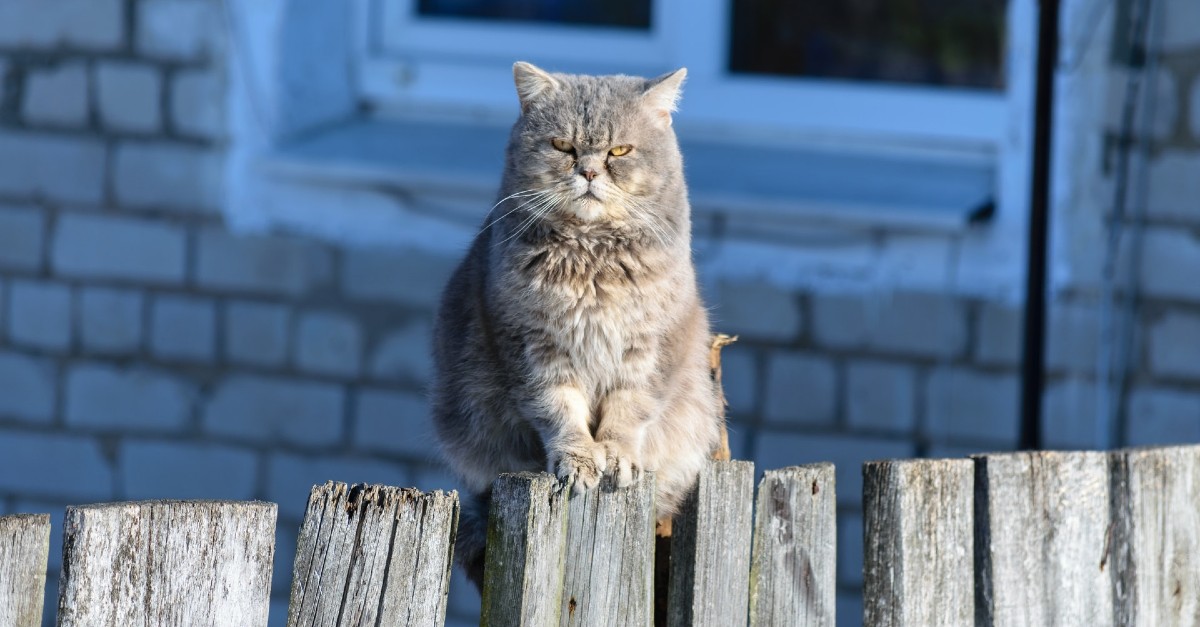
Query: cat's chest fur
x: 587, y: 299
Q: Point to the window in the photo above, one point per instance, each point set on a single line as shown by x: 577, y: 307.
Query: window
x: 952, y: 43
x: 873, y: 144
x: 891, y: 71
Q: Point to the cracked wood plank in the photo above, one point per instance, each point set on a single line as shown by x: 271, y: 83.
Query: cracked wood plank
x: 526, y: 549
x: 609, y: 577
x: 793, y: 568
x: 373, y: 555
x: 167, y: 563
x: 1042, y: 538
x: 1156, y: 536
x: 918, y: 566
x: 710, y: 548
x: 24, y: 548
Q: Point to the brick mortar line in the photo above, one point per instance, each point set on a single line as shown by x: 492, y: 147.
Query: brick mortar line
x: 98, y: 132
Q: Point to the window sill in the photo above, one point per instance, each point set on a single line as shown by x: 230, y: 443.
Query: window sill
x: 799, y: 186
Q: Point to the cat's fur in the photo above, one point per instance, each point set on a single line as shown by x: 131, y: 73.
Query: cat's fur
x: 573, y: 332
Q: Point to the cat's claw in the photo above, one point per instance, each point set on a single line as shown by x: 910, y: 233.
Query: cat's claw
x: 620, y: 465
x: 624, y: 472
x: 584, y: 467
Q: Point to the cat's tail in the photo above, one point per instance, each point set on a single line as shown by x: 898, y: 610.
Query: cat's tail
x: 472, y: 534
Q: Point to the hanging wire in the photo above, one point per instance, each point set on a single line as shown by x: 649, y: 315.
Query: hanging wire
x: 1133, y: 138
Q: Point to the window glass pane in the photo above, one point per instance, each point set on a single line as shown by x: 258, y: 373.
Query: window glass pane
x: 934, y: 42
x: 613, y: 13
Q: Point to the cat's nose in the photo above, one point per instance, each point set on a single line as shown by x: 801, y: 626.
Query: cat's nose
x: 588, y: 173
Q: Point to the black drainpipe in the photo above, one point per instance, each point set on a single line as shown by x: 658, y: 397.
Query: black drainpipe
x: 1033, y: 352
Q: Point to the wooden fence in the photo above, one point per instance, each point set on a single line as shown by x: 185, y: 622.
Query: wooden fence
x: 1045, y: 538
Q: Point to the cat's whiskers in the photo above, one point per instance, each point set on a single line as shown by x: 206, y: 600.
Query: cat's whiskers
x: 532, y: 195
x: 650, y: 218
x: 545, y: 206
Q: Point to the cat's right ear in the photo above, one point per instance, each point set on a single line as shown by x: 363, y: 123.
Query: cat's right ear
x: 532, y: 82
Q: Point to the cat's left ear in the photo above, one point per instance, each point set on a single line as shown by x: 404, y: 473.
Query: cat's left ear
x: 662, y: 94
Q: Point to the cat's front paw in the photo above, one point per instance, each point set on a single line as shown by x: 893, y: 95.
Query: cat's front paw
x: 583, y: 465
x: 620, y: 463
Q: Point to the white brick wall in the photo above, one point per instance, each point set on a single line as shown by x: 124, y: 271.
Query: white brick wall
x: 29, y: 384
x: 756, y: 310
x: 403, y: 354
x: 253, y: 408
x: 409, y: 277
x: 972, y: 406
x: 1167, y: 265
x: 87, y: 24
x: 198, y: 104
x: 881, y: 396
x: 111, y: 320
x: 394, y: 422
x: 160, y: 36
x: 801, y: 389
x: 146, y: 349
x: 105, y: 398
x: 39, y: 315
x: 183, y: 328
x: 67, y: 169
x: 128, y: 96
x: 268, y: 265
x: 169, y: 176
x: 89, y: 246
x: 69, y: 467
x: 22, y: 235
x: 257, y: 333
x: 329, y: 343
x: 57, y: 96
x: 910, y: 323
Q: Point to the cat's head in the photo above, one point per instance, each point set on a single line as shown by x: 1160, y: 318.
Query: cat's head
x: 596, y: 147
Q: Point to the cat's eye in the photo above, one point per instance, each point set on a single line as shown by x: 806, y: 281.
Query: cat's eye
x: 562, y: 144
x: 620, y: 151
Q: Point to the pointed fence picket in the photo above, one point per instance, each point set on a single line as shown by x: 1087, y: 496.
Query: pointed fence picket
x: 1045, y: 538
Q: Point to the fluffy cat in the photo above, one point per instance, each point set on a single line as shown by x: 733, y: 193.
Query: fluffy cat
x: 573, y: 333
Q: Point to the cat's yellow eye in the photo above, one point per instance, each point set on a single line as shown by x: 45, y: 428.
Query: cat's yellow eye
x: 562, y: 144
x: 620, y: 151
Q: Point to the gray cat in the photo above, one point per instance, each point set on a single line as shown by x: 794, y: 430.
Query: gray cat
x: 573, y: 334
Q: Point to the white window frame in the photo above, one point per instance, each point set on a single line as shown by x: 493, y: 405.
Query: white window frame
x: 412, y: 65
x: 275, y: 71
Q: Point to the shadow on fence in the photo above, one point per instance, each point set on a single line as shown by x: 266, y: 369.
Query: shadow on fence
x: 1049, y: 538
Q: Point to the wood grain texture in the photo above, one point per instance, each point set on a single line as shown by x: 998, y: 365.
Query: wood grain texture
x: 609, y: 573
x: 1042, y: 523
x: 373, y: 555
x: 24, y: 548
x: 918, y: 566
x: 526, y: 549
x: 1156, y: 540
x: 169, y: 563
x: 793, y: 572
x: 710, y: 549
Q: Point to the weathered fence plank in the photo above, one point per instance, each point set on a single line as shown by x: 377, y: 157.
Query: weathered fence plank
x: 609, y: 576
x: 170, y: 563
x: 1156, y: 538
x: 710, y: 549
x: 918, y: 566
x: 24, y: 548
x: 526, y: 549
x: 793, y: 569
x: 1042, y: 522
x: 373, y: 555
